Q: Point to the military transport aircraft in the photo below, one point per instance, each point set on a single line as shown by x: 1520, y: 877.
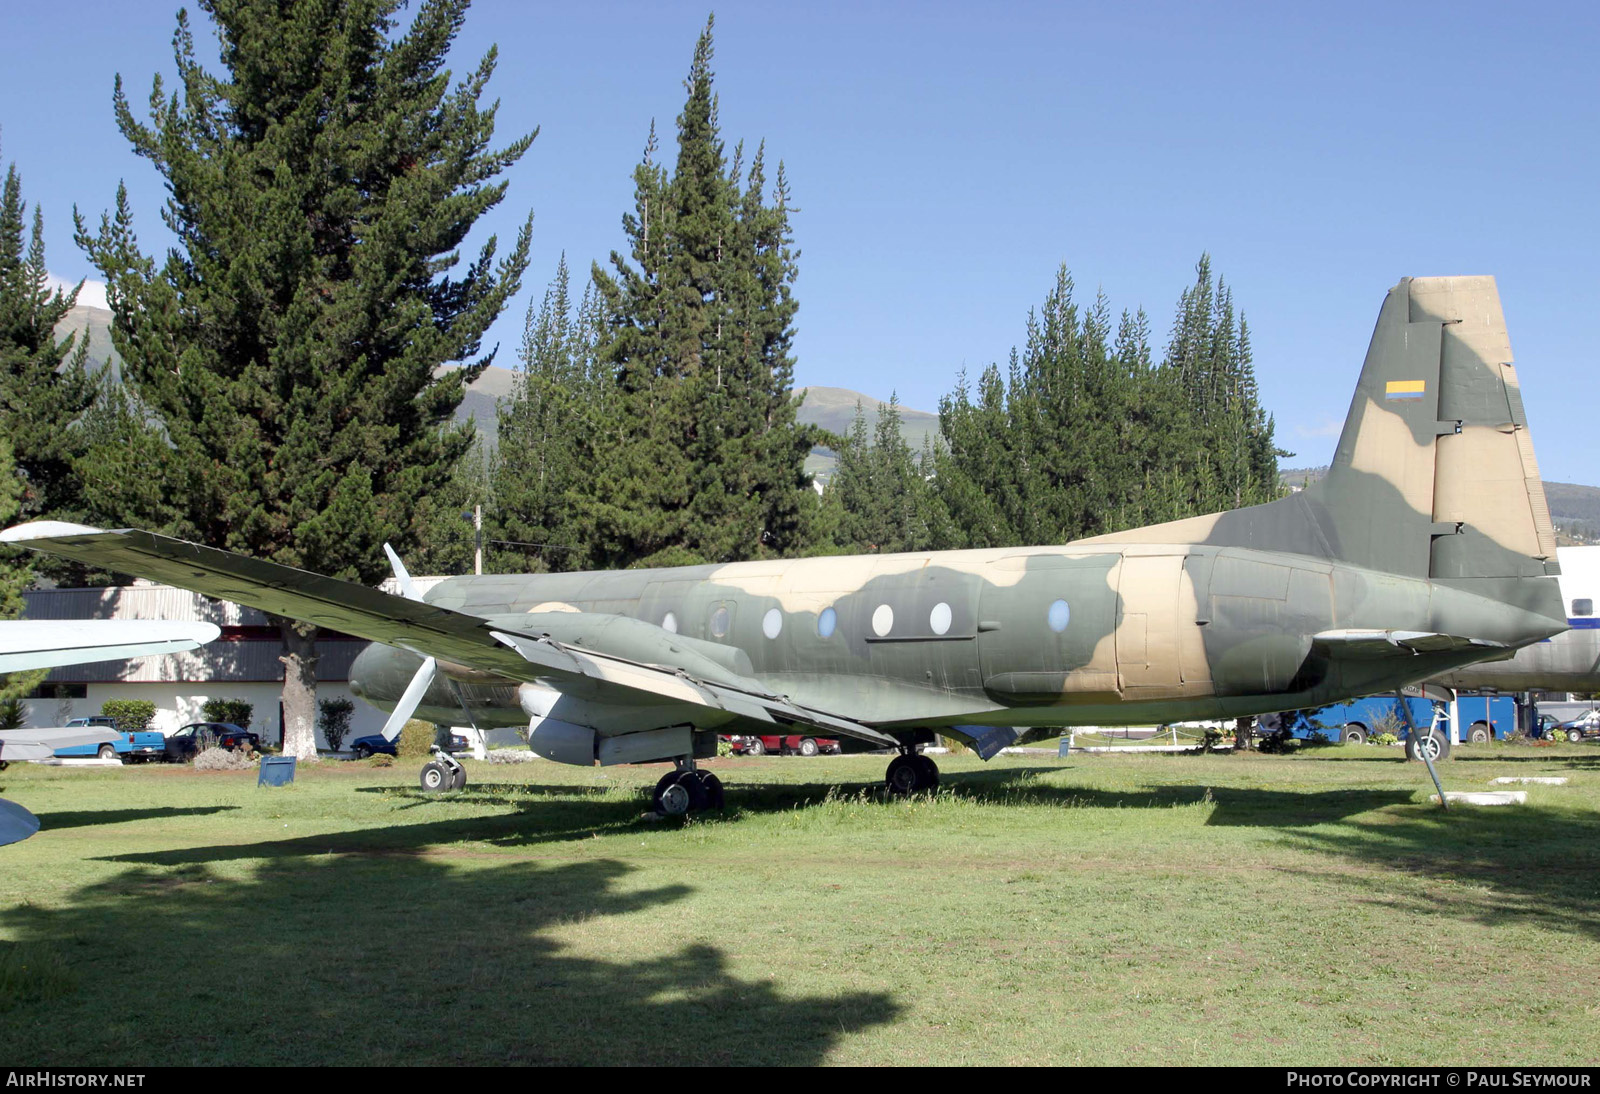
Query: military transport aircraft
x: 1428, y: 546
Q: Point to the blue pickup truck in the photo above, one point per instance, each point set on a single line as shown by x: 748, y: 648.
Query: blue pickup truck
x: 141, y: 745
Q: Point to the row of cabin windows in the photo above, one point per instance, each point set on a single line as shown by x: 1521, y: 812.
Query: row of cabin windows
x: 939, y: 620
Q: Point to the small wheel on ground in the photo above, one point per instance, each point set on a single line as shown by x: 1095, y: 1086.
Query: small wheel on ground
x: 1354, y: 734
x: 1478, y: 734
x: 362, y: 752
x: 680, y: 792
x: 1574, y: 735
x: 435, y: 777
x: 755, y: 747
x: 903, y: 776
x: 1436, y: 744
x: 458, y: 779
x: 808, y: 747
x: 107, y: 752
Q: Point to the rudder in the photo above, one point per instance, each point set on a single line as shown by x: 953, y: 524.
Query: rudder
x: 1435, y: 474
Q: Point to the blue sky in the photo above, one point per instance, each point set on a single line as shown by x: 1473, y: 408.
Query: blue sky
x: 946, y: 158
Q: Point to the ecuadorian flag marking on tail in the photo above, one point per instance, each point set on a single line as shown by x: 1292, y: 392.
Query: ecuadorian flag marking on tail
x: 1405, y: 389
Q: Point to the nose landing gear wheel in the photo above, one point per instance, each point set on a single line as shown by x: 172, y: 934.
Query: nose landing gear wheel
x: 436, y: 777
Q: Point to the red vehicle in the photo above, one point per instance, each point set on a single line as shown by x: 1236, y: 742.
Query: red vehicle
x: 783, y: 746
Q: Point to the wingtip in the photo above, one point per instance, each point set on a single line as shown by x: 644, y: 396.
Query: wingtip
x: 44, y: 529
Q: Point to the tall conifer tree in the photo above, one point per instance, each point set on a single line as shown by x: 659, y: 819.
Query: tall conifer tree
x: 707, y: 459
x: 45, y: 387
x: 291, y: 344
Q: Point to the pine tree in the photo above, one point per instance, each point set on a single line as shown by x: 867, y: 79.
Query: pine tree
x: 291, y: 345
x: 706, y: 460
x: 547, y: 456
x: 15, y: 572
x: 45, y: 387
x: 1084, y: 435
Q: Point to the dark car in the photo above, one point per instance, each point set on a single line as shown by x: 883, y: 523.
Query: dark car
x: 1586, y: 724
x: 376, y: 742
x: 196, y: 737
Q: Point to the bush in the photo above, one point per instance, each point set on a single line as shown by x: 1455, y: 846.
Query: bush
x: 1383, y: 739
x: 333, y: 719
x: 12, y: 714
x: 416, y: 738
x: 233, y: 711
x: 131, y: 715
x: 221, y: 759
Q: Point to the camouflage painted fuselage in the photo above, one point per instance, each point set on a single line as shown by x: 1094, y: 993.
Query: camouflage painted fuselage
x: 1148, y: 633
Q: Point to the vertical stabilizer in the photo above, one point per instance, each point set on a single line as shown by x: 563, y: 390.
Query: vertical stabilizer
x: 1435, y: 474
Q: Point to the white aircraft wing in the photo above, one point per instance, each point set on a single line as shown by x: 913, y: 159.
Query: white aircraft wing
x: 42, y: 644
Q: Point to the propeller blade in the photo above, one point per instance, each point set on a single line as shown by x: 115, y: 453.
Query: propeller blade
x: 409, y: 699
x: 407, y: 590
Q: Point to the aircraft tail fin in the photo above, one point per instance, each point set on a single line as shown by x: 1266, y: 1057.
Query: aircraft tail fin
x: 1435, y: 474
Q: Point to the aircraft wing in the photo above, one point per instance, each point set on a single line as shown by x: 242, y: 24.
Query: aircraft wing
x: 41, y: 644
x: 1367, y: 645
x: 450, y: 636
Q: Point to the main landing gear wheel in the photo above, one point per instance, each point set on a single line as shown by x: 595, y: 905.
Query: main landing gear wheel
x: 682, y: 792
x: 437, y: 777
x: 911, y: 775
x: 458, y: 779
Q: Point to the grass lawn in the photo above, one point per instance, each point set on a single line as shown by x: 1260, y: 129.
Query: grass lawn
x: 1164, y: 909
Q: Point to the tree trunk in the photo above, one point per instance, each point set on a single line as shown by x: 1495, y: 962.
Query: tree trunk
x: 1243, y: 730
x: 299, y: 688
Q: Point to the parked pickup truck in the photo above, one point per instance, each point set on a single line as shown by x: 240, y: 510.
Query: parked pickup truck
x: 146, y: 744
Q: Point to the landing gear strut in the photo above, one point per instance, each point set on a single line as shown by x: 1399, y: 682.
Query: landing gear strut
x: 911, y: 773
x: 443, y: 772
x: 687, y: 790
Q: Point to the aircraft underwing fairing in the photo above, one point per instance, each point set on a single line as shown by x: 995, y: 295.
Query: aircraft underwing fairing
x: 1427, y: 547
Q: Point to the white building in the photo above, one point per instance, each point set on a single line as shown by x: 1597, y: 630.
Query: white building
x: 242, y: 664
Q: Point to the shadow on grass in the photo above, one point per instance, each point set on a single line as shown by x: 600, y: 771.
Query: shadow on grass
x: 83, y: 818
x: 401, y: 960
x: 1519, y: 864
